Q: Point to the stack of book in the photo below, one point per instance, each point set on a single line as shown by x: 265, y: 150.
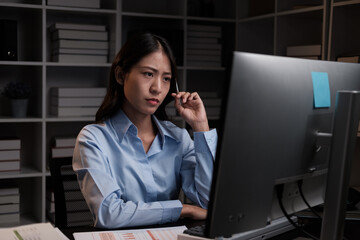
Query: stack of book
x: 75, y: 102
x: 203, y: 46
x: 349, y: 59
x: 304, y: 51
x: 9, y: 205
x: 75, y: 3
x: 212, y: 103
x: 77, y: 211
x: 79, y: 43
x: 63, y: 147
x: 10, y: 155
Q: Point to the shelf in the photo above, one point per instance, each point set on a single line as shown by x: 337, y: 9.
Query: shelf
x: 21, y: 63
x: 205, y: 19
x: 4, y: 119
x: 302, y: 10
x: 345, y: 2
x: 25, y: 172
x: 61, y: 64
x: 70, y: 119
x: 20, y: 5
x: 96, y: 11
x: 151, y: 15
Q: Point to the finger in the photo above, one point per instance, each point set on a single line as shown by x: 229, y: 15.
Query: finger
x: 193, y: 96
x: 185, y: 97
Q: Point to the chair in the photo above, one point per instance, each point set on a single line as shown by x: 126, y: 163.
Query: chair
x: 71, y: 209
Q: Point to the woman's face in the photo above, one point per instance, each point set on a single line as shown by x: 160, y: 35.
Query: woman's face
x: 147, y: 84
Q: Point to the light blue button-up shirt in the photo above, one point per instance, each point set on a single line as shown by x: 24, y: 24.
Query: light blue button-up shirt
x: 125, y: 186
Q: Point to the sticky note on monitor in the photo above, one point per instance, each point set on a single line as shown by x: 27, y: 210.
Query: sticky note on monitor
x: 321, y: 89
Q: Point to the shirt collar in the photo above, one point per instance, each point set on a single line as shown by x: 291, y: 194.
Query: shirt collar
x: 122, y: 125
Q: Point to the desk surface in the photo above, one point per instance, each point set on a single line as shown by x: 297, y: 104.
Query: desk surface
x: 351, y: 231
x: 187, y: 222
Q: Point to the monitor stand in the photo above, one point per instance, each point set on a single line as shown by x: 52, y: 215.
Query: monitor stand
x: 347, y: 113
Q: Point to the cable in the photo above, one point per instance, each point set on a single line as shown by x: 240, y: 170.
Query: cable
x: 299, y: 183
x: 279, y: 192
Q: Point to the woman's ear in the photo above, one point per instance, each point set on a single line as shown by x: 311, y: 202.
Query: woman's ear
x: 119, y: 75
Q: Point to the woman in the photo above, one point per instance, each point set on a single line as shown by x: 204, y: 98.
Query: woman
x: 132, y: 163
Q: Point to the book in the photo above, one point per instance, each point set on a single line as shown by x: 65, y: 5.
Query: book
x: 204, y: 34
x: 73, y: 111
x: 10, y: 199
x: 71, y: 185
x: 349, y: 59
x: 80, y: 51
x: 212, y: 111
x: 79, y: 34
x: 64, y: 142
x: 304, y: 50
x: 76, y: 102
x: 79, y: 205
x: 208, y: 94
x: 80, y: 58
x: 9, y: 218
x: 204, y: 63
x: 211, y: 46
x: 202, y: 40
x: 203, y: 58
x: 69, y: 195
x: 6, y: 155
x: 212, y: 102
x: 9, y: 208
x: 203, y: 28
x: 9, y: 191
x: 10, y: 144
x: 75, y: 3
x: 74, y: 26
x: 80, y: 44
x: 8, y: 166
x: 209, y: 52
x: 38, y: 231
x: 77, y: 92
x: 59, y: 152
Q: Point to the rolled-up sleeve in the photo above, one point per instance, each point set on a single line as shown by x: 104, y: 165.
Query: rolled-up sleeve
x: 197, y: 166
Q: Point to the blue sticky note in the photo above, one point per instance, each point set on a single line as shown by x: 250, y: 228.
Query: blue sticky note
x: 321, y: 89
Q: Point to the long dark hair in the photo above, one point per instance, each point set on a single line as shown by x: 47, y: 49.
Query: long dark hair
x: 137, y: 47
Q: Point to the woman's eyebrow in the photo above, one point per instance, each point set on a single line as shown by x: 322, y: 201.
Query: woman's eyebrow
x: 154, y: 70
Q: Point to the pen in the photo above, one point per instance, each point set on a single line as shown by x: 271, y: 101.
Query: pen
x: 177, y: 87
x: 177, y: 90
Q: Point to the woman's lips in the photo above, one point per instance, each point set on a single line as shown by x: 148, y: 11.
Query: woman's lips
x: 152, y: 101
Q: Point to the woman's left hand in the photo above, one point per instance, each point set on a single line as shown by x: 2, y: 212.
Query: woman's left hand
x: 191, y: 108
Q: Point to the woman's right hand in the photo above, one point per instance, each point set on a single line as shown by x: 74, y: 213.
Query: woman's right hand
x: 193, y: 212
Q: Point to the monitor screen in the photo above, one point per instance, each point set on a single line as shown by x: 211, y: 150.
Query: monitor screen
x: 273, y: 110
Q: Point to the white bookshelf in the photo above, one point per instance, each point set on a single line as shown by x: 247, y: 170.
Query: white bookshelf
x: 36, y: 67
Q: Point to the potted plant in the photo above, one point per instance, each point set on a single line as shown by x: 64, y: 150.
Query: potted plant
x: 18, y: 92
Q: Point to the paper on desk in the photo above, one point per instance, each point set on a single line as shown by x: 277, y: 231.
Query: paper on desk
x: 38, y: 231
x: 168, y: 233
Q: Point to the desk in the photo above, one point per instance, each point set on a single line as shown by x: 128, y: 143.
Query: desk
x: 351, y: 232
x: 187, y: 222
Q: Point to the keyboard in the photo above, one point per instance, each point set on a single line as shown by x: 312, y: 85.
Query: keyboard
x: 198, y: 231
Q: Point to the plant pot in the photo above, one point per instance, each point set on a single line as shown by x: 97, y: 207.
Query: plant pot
x: 19, y: 107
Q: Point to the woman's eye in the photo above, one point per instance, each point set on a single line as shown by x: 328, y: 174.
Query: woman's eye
x: 148, y: 74
x: 167, y: 79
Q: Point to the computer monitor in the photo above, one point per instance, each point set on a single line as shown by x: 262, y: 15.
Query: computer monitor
x: 274, y: 114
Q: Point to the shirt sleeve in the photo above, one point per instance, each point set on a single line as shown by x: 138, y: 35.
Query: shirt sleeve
x: 104, y: 196
x: 197, y: 166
